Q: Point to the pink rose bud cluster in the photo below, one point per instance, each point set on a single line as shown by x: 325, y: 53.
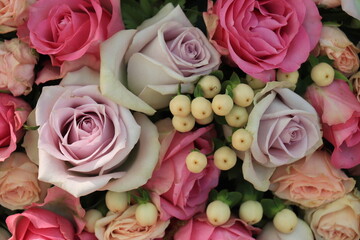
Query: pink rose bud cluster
x: 17, y: 62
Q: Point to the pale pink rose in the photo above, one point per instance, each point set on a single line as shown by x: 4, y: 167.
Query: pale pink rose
x: 339, y: 111
x: 285, y: 128
x: 311, y: 181
x: 328, y: 3
x: 336, y: 220
x: 14, y: 112
x: 13, y: 13
x: 302, y: 231
x: 19, y: 185
x: 70, y: 31
x: 166, y: 49
x: 86, y: 139
x: 261, y: 36
x: 175, y: 190
x: 351, y: 7
x: 59, y: 217
x: 125, y: 226
x: 355, y: 79
x: 17, y: 62
x: 199, y: 228
x: 335, y: 44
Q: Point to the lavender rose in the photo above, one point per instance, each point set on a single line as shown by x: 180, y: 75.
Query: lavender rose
x: 164, y: 51
x: 285, y: 128
x: 86, y: 139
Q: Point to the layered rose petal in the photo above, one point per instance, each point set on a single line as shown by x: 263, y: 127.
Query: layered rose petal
x: 260, y: 36
x: 285, y: 128
x: 351, y: 7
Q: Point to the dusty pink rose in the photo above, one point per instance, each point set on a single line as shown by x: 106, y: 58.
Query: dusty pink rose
x: 328, y: 3
x: 19, y: 185
x: 339, y: 111
x: 70, y: 31
x: 311, y: 181
x: 59, y: 217
x: 337, y: 220
x: 17, y: 62
x: 13, y: 114
x: 86, y: 139
x: 199, y: 228
x: 166, y: 49
x: 335, y: 44
x: 285, y: 129
x: 261, y: 36
x: 13, y: 13
x: 174, y: 189
x: 125, y: 226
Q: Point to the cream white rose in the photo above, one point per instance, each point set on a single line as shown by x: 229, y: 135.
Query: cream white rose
x: 151, y: 61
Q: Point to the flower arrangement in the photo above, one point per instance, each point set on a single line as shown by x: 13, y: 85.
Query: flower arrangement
x: 175, y: 119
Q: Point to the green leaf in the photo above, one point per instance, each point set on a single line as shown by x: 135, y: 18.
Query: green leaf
x: 248, y: 191
x: 234, y: 79
x: 198, y: 92
x: 234, y: 198
x: 325, y: 59
x: 218, y: 143
x: 229, y: 90
x: 218, y: 73
x: 26, y: 127
x: 213, y: 195
x: 272, y: 206
x: 339, y: 75
x: 313, y: 60
x: 220, y: 119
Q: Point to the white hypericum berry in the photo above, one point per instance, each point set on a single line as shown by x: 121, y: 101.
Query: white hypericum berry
x: 237, y: 117
x: 91, y: 216
x: 180, y: 106
x: 116, y: 201
x: 201, y: 108
x: 243, y: 95
x: 254, y: 83
x: 146, y: 214
x: 205, y: 120
x: 222, y: 104
x: 323, y: 74
x: 291, y: 77
x: 218, y: 212
x: 241, y: 139
x: 225, y: 158
x: 285, y: 221
x: 183, y: 124
x: 210, y: 85
x: 251, y: 212
x: 196, y: 161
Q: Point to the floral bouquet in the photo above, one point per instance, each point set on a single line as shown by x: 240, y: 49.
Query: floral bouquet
x: 174, y: 119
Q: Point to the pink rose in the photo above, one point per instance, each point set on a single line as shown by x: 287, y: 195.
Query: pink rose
x: 285, y: 128
x: 70, y: 31
x: 328, y: 3
x: 125, y: 226
x: 13, y: 13
x: 166, y: 49
x: 200, y: 229
x: 59, y: 217
x: 19, y: 185
x: 336, y: 220
x: 14, y: 112
x: 17, y: 62
x: 261, y: 36
x: 311, y: 181
x: 174, y: 189
x: 86, y: 139
x: 339, y: 111
x: 335, y: 44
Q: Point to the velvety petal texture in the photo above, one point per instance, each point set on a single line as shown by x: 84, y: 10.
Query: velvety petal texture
x: 311, y: 181
x: 69, y: 30
x: 163, y: 52
x: 87, y: 139
x: 198, y: 228
x: 261, y: 36
x: 174, y: 189
x: 339, y: 111
x: 285, y: 128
